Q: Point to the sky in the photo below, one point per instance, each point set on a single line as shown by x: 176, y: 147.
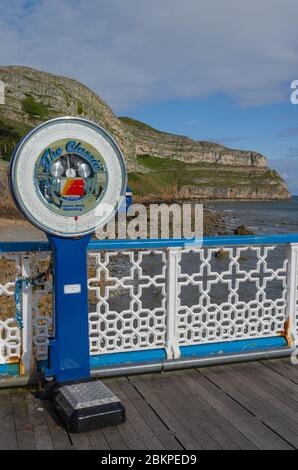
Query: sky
x: 215, y: 70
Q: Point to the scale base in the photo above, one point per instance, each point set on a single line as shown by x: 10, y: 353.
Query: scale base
x: 86, y: 406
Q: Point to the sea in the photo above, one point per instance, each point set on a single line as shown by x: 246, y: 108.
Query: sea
x: 262, y: 218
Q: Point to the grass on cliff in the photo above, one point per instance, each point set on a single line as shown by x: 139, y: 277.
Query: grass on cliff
x: 11, y: 133
x: 35, y: 109
x: 167, y: 176
x: 139, y: 125
x: 155, y: 163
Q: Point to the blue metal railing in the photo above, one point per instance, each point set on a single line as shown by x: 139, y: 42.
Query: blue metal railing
x: 158, y: 355
x: 29, y: 246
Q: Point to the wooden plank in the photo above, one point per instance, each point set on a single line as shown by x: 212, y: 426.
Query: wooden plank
x: 58, y: 433
x: 276, y: 415
x: 239, y: 417
x: 164, y: 435
x: 98, y: 440
x: 220, y: 440
x: 114, y: 438
x: 8, y: 436
x: 279, y: 387
x: 164, y: 413
x: 223, y: 433
x: 252, y: 398
x: 132, y: 439
x: 286, y: 369
x: 217, y: 418
x: 276, y: 380
x: 190, y: 416
x: 143, y: 435
x: 185, y: 416
x: 41, y: 430
x: 79, y: 441
x: 24, y: 426
x: 261, y: 398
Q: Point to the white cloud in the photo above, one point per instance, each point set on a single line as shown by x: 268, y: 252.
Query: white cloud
x: 136, y: 51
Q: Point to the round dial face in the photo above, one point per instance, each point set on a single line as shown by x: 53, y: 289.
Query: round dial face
x: 68, y: 177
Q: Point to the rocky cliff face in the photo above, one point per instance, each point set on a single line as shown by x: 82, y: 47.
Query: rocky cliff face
x: 244, y: 193
x: 181, y: 168
x: 32, y: 97
x: 149, y: 141
x: 159, y: 164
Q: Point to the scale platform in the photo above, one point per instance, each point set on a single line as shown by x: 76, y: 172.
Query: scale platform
x: 86, y: 406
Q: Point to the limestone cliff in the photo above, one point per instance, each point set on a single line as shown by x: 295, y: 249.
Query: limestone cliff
x: 149, y: 141
x: 178, y: 167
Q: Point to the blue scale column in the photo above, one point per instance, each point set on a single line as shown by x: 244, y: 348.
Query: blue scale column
x: 69, y: 348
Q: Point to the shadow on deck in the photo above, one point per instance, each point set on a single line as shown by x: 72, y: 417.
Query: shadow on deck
x: 243, y: 406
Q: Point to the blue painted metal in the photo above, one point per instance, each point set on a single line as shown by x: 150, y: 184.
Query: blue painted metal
x: 182, y: 242
x: 102, y: 360
x: 251, y: 240
x: 127, y: 202
x: 69, y: 349
x: 200, y: 350
x: 129, y: 197
x: 16, y: 247
x: 18, y: 301
x: 129, y: 357
x: 240, y: 346
x: 9, y: 369
x: 41, y: 365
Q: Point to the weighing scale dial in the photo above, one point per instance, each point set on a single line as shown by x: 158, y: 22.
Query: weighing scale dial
x: 75, y: 177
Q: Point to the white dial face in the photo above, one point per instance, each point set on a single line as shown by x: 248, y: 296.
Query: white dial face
x: 68, y: 177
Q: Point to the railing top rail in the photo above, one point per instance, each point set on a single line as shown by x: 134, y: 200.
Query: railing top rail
x: 41, y: 246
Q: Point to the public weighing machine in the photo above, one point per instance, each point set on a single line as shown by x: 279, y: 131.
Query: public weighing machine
x: 68, y: 177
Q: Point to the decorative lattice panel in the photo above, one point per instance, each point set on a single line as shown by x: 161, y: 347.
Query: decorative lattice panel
x: 129, y: 301
x: 10, y: 334
x: 292, y: 298
x: 41, y: 307
x: 237, y: 293
x: 294, y: 286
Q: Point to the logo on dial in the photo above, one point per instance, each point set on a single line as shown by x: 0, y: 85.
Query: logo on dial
x: 70, y: 177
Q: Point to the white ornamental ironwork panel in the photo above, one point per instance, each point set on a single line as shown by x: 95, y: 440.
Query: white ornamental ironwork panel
x: 128, y: 301
x: 41, y: 307
x: 10, y: 334
x: 294, y: 288
x: 235, y: 293
x: 292, y: 297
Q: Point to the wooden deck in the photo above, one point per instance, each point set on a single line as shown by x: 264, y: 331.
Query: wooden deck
x: 244, y: 406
